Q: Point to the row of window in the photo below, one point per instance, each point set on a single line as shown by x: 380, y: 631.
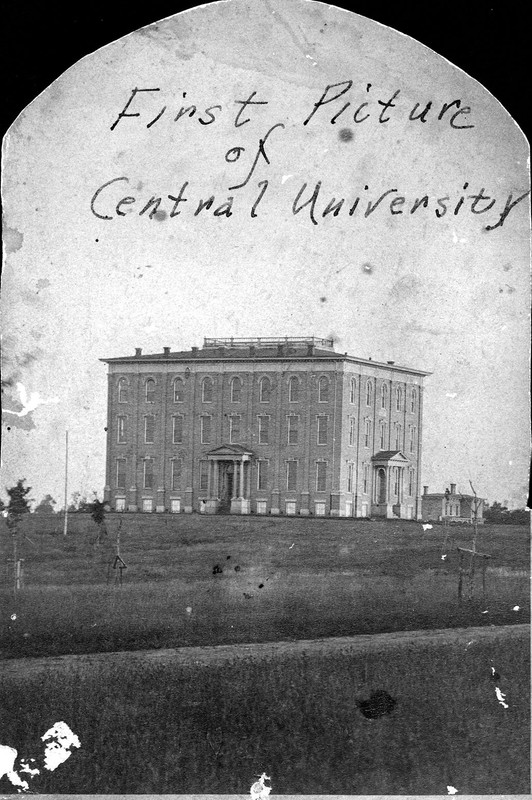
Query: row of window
x: 265, y: 391
x: 264, y: 430
x: 262, y: 473
x: 262, y: 476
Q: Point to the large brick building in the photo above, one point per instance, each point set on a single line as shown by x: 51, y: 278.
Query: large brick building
x: 265, y: 426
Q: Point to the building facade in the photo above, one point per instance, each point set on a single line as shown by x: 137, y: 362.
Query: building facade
x: 452, y: 506
x: 264, y: 426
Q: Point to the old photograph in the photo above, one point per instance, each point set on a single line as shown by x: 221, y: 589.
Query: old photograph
x: 264, y: 496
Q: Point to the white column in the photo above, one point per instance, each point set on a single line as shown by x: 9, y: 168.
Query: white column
x: 216, y: 479
x: 209, y: 471
x: 241, y: 479
x: 235, y: 466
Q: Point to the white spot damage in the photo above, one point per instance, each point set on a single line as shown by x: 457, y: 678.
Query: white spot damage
x: 259, y: 790
x: 286, y: 178
x: 7, y: 767
x: 427, y: 527
x: 29, y: 403
x: 452, y: 790
x: 25, y: 767
x: 13, y: 616
x: 501, y: 697
x: 516, y: 608
x: 451, y: 394
x: 58, y: 742
x: 59, y: 739
x: 443, y: 557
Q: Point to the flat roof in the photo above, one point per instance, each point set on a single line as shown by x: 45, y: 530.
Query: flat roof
x: 285, y: 349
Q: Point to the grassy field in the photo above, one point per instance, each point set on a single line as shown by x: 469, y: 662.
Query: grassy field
x: 213, y: 728
x: 282, y: 578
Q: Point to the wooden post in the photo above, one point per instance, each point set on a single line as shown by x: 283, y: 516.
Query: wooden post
x: 460, y: 578
x: 65, y: 525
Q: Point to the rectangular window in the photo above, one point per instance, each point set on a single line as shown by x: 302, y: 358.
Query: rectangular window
x: 350, y: 471
x: 177, y: 430
x: 412, y: 438
x: 150, y: 391
x: 293, y: 429
x: 396, y: 482
x: 120, y: 504
x: 291, y: 475
x: 264, y: 430
x: 149, y: 429
x: 148, y: 473
x: 262, y: 475
x: 319, y: 509
x: 204, y: 476
x: 367, y: 433
x: 120, y: 473
x: 352, y: 431
x: 261, y: 506
x: 321, y: 475
x: 234, y: 428
x: 205, y: 429
x: 322, y: 430
x: 290, y: 508
x: 147, y: 504
x: 175, y: 506
x: 365, y: 482
x: 121, y: 430
x: 177, y: 470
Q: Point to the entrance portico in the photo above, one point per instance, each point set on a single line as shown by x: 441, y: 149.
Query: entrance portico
x: 228, y: 480
x: 388, y: 484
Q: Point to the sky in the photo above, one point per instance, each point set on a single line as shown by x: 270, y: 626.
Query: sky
x: 434, y: 285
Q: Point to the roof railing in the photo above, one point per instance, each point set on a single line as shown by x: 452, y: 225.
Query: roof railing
x: 271, y: 341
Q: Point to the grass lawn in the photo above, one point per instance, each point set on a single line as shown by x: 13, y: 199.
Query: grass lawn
x: 277, y: 578
x: 212, y: 728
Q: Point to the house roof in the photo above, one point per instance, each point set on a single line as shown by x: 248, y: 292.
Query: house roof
x: 285, y: 351
x: 390, y: 455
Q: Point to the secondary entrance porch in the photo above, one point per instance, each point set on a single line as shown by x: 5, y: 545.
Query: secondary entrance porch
x: 389, y: 469
x: 228, y: 480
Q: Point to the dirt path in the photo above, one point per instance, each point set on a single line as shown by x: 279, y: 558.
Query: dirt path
x: 268, y: 650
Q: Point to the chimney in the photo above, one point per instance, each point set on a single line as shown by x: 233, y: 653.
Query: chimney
x: 453, y: 488
x: 425, y: 490
x: 194, y: 349
x: 252, y: 350
x: 310, y: 349
x: 390, y: 362
x: 138, y: 351
x: 280, y: 349
x: 166, y: 351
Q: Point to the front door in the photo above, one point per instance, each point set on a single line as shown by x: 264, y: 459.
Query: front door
x: 382, y: 486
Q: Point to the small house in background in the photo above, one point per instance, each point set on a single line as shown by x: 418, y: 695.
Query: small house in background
x: 451, y: 506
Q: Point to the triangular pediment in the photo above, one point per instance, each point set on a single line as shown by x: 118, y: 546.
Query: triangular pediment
x: 390, y: 457
x: 229, y: 451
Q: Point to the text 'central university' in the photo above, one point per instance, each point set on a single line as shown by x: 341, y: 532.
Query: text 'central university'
x: 265, y: 426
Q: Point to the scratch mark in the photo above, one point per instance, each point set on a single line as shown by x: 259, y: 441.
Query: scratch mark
x: 501, y: 697
x: 291, y: 546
